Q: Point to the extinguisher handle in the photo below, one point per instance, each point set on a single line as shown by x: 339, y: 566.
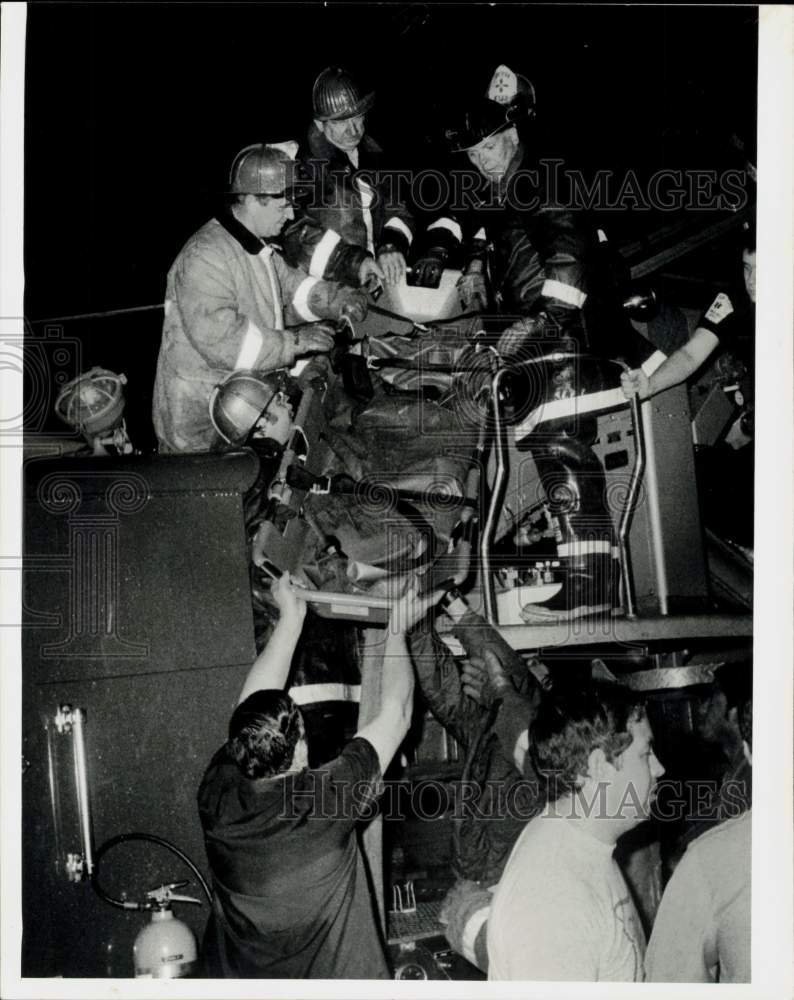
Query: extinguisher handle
x: 165, y: 894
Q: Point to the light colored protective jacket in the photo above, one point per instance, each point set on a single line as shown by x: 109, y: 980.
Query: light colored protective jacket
x: 227, y: 297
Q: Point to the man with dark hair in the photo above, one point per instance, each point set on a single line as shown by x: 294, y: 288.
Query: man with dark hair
x: 562, y: 910
x: 291, y: 893
x: 721, y: 325
x: 702, y: 929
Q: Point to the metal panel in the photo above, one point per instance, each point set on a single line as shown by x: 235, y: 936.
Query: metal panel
x: 665, y: 538
x: 138, y: 611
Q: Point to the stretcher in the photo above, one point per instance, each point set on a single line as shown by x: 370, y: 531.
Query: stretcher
x: 497, y: 468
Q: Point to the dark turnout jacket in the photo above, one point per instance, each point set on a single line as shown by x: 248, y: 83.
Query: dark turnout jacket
x: 346, y: 213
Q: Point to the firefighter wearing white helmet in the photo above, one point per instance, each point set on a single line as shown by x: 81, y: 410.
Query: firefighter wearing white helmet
x: 355, y: 224
x: 232, y: 301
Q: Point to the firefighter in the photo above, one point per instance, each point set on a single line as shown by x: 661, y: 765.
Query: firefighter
x: 529, y: 262
x: 354, y: 226
x: 228, y: 295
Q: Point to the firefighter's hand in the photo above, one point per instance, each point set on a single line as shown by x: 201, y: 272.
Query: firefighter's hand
x: 392, y: 263
x: 472, y: 292
x: 369, y: 270
x: 635, y: 383
x: 484, y: 679
x: 352, y: 304
x: 314, y: 338
x: 291, y: 607
x: 513, y: 339
x: 428, y: 269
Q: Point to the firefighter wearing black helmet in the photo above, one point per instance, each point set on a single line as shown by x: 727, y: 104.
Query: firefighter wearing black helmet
x: 528, y: 263
x: 233, y: 302
x: 354, y: 225
x: 536, y: 253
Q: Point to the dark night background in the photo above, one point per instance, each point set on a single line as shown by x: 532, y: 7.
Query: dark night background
x: 133, y: 113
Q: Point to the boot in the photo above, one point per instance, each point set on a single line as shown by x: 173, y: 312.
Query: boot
x: 575, y: 488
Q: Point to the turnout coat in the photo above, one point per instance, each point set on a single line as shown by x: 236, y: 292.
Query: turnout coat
x: 228, y: 295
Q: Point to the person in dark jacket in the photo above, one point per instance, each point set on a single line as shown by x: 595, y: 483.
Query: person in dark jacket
x: 487, y: 706
x: 509, y: 234
x: 354, y: 225
x: 529, y: 263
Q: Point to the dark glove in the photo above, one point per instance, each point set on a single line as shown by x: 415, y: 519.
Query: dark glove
x: 473, y: 292
x: 428, y: 268
x: 350, y: 302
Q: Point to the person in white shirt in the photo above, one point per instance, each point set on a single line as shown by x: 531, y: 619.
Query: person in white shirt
x: 562, y: 910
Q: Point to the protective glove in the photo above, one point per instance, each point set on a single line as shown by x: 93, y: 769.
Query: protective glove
x: 429, y: 267
x: 313, y: 338
x: 473, y: 292
x: 369, y: 271
x: 392, y: 264
x: 513, y: 339
x: 349, y: 302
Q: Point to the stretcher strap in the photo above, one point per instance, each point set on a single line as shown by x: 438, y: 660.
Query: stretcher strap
x: 380, y: 311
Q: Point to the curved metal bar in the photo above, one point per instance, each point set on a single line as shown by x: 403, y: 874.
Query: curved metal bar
x: 496, y: 499
x: 628, y: 508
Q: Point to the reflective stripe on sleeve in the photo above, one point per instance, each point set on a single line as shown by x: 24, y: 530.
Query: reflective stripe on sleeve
x: 553, y: 289
x: 250, y: 347
x: 322, y: 253
x: 450, y: 225
x: 401, y: 227
x: 310, y: 694
x: 300, y: 300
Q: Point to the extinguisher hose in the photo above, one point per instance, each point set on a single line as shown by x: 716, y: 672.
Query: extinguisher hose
x: 123, y: 838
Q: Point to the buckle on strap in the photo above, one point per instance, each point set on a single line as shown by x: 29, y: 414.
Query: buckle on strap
x: 322, y: 486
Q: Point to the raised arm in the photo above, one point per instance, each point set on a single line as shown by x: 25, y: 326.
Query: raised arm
x: 676, y: 369
x: 440, y: 684
x: 389, y: 727
x: 271, y: 668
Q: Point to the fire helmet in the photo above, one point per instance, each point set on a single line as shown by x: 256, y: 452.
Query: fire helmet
x: 92, y: 403
x: 263, y: 169
x: 240, y: 400
x: 336, y: 96
x: 509, y: 100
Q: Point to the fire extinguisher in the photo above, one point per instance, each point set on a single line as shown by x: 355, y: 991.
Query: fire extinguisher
x: 166, y: 947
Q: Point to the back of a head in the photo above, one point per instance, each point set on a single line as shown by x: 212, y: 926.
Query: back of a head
x: 263, y: 733
x: 571, y: 724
